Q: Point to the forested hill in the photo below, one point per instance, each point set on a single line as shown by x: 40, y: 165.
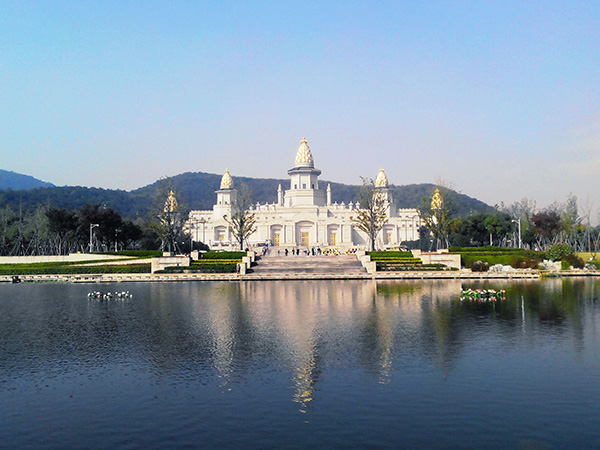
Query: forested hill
x: 196, y: 190
x: 17, y: 181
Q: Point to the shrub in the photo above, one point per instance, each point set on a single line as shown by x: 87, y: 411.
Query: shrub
x: 559, y: 251
x: 572, y: 261
x: 523, y: 262
x: 480, y: 266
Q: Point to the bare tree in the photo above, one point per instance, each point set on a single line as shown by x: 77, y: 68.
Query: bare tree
x: 167, y: 216
x: 242, y: 221
x: 371, y: 216
x: 437, y: 211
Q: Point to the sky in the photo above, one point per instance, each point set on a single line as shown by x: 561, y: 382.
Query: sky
x: 500, y: 100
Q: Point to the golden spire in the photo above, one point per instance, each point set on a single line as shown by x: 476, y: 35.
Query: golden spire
x: 171, y: 203
x: 226, y: 181
x: 381, y: 180
x: 436, y: 200
x: 304, y: 156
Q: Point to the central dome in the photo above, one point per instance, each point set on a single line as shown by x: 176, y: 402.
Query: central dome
x: 304, y: 157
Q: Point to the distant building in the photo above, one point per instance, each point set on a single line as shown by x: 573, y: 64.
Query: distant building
x: 303, y: 215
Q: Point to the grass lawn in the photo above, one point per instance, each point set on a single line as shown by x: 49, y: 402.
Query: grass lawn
x: 586, y: 256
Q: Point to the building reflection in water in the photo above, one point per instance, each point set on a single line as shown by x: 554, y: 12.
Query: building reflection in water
x: 308, y: 326
x: 383, y: 328
x: 199, y: 332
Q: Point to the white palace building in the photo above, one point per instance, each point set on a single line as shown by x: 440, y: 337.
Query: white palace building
x: 303, y: 215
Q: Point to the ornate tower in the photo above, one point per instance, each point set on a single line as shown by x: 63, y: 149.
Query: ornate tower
x: 304, y: 180
x: 436, y: 200
x: 382, y: 188
x: 225, y: 195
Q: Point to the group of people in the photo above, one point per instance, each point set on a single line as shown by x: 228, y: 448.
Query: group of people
x: 312, y: 251
x: 296, y: 251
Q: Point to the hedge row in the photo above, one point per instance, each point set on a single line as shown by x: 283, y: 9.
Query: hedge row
x: 407, y: 268
x: 486, y: 249
x: 205, y: 268
x: 224, y: 255
x: 68, y: 270
x: 392, y: 254
x: 52, y: 264
x: 136, y: 253
x: 398, y: 260
x: 517, y: 261
x: 215, y: 261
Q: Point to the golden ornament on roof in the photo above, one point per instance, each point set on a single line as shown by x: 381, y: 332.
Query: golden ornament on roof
x: 226, y: 181
x: 304, y: 156
x: 171, y: 203
x: 436, y: 200
x: 381, y: 180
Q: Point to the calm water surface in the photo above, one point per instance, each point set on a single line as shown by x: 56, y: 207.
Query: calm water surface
x: 328, y: 364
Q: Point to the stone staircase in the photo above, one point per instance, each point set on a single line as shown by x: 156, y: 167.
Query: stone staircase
x: 318, y: 265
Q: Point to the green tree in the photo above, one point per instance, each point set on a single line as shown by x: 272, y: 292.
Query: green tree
x: 547, y: 226
x: 108, y: 221
x: 371, y: 215
x: 498, y: 225
x: 63, y: 225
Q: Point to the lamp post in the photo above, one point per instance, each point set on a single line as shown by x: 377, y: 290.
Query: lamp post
x: 519, y: 223
x: 92, y: 226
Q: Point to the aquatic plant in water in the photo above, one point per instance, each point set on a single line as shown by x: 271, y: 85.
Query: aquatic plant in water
x: 96, y: 295
x: 482, y: 295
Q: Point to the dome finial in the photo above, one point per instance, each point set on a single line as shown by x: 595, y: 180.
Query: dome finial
x: 436, y: 200
x: 226, y: 181
x: 381, y: 180
x: 304, y: 157
x: 171, y: 203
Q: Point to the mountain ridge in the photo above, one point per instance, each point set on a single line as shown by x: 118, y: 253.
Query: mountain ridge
x: 17, y: 181
x: 196, y: 190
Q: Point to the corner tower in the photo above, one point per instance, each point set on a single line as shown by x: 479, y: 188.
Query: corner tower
x: 304, y: 180
x: 226, y: 195
x: 383, y: 189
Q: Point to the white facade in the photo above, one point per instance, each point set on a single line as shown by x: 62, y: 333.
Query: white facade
x: 303, y: 215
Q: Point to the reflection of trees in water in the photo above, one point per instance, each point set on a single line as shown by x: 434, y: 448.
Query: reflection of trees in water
x: 554, y: 306
x: 197, y: 331
x: 424, y: 324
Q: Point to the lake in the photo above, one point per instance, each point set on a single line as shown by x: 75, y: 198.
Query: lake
x: 301, y: 364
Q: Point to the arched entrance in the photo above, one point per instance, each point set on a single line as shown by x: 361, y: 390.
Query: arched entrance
x: 333, y: 233
x: 276, y: 235
x: 305, y: 233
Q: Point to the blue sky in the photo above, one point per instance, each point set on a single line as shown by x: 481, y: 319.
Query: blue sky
x: 500, y: 99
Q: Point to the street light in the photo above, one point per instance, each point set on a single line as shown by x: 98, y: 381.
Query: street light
x: 519, y: 223
x: 92, y: 226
